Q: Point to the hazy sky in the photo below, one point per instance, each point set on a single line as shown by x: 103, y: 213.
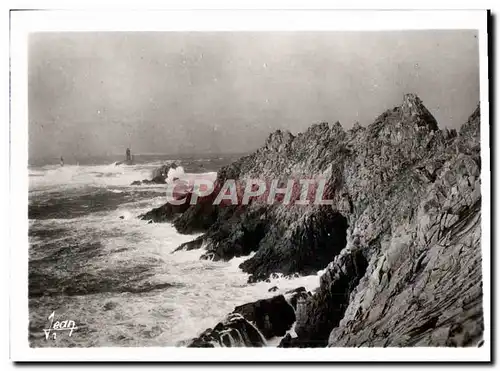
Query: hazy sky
x: 173, y: 92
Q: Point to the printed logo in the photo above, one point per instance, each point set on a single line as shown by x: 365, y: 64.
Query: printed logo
x: 66, y: 325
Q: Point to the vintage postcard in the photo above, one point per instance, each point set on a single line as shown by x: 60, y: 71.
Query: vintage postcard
x: 250, y: 185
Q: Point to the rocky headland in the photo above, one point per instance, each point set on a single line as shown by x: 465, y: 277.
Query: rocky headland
x: 400, y: 244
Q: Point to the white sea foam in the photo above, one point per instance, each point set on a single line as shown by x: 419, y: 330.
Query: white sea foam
x: 73, y: 176
x: 178, y: 172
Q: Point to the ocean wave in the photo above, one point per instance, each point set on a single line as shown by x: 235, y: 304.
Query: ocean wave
x: 73, y: 176
x: 197, y: 293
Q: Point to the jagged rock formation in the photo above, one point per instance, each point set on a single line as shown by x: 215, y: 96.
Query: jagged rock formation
x: 423, y: 283
x: 401, y: 241
x: 168, y: 211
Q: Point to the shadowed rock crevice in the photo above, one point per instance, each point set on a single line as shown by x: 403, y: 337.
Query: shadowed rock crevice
x: 317, y: 316
x: 305, y: 248
x: 201, y: 216
x: 239, y: 236
x: 273, y: 317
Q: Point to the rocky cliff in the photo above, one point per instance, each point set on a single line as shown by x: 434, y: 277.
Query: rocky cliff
x: 401, y: 240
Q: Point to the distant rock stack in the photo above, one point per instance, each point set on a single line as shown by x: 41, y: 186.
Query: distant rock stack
x: 158, y: 176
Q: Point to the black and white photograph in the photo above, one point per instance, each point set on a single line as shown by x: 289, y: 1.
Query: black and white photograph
x: 252, y: 187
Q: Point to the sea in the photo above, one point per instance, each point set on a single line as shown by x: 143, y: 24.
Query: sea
x: 94, y: 262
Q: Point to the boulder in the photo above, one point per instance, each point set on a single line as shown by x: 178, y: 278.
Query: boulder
x: 273, y: 317
x: 289, y: 342
x: 190, y: 245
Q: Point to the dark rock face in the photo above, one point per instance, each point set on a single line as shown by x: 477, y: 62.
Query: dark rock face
x: 199, y: 217
x: 234, y: 331
x: 190, y: 245
x: 401, y: 241
x: 309, y: 248
x: 250, y: 324
x: 239, y: 237
x: 168, y: 211
x: 297, y: 295
x: 164, y: 213
x: 320, y: 313
x: 273, y: 317
x: 239, y: 230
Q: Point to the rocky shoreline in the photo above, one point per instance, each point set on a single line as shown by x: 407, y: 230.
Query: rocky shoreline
x: 401, y: 244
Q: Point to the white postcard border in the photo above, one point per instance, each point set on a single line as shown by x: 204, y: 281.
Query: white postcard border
x: 24, y: 22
